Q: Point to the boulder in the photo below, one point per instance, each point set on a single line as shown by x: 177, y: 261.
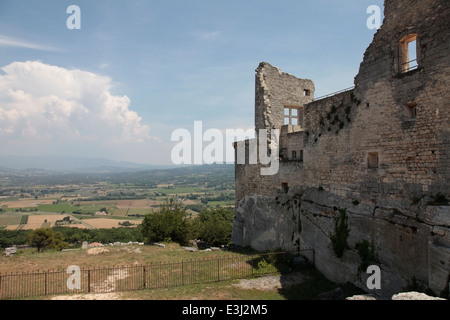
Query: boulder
x: 362, y: 297
x: 9, y: 251
x: 414, y: 296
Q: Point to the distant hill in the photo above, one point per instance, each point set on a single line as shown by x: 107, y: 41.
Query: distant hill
x: 69, y: 164
x: 148, y: 176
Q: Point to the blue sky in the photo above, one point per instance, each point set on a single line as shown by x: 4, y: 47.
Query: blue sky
x: 137, y: 70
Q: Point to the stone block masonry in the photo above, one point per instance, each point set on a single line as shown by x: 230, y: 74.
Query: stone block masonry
x: 381, y: 151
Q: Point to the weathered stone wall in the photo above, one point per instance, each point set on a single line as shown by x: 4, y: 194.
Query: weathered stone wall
x: 275, y: 90
x: 329, y: 159
x: 406, y: 247
x: 291, y: 140
x: 366, y: 151
x: 415, y: 153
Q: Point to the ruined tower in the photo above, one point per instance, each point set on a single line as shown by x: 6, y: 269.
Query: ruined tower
x: 379, y: 152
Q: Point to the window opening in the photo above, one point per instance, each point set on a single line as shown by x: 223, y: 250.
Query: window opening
x: 408, y: 53
x: 373, y: 160
x: 411, y: 110
x: 291, y: 116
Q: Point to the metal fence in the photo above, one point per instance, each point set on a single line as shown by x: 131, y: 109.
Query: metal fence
x: 334, y: 93
x: 141, y: 277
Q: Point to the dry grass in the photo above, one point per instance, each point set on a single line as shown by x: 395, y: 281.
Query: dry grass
x: 36, y: 221
x: 26, y: 203
x: 304, y: 284
x: 29, y: 260
x: 105, y: 223
x: 262, y: 289
x: 12, y: 227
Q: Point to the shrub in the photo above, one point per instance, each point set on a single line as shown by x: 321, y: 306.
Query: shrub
x: 348, y: 109
x: 367, y: 254
x: 341, y: 233
x: 273, y: 261
x: 264, y: 266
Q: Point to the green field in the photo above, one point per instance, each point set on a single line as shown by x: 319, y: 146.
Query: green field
x: 184, y: 190
x: 59, y: 207
x: 120, y: 212
x: 24, y: 219
x: 141, y: 211
x: 9, y: 219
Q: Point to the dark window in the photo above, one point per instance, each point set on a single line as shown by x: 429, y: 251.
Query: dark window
x: 373, y: 160
x: 411, y: 110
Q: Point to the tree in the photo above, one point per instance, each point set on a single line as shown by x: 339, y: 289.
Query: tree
x: 214, y: 226
x: 170, y: 223
x: 58, y: 242
x: 43, y: 239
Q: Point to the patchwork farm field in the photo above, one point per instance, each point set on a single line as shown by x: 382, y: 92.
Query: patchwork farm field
x: 41, y: 221
x: 105, y: 201
x: 36, y: 221
x: 95, y: 214
x: 35, y: 214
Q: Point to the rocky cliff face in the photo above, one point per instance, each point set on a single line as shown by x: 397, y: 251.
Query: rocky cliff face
x: 406, y: 240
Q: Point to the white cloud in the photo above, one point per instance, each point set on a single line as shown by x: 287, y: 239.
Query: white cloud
x: 42, y: 103
x: 18, y: 43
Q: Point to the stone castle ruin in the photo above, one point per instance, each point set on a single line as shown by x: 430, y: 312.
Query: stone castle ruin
x: 364, y: 174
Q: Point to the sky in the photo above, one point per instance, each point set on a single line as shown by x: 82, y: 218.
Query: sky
x: 137, y: 70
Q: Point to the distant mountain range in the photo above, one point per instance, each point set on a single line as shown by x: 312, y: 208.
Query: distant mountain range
x: 70, y: 164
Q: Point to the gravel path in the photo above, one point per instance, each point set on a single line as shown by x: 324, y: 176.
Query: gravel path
x: 271, y: 282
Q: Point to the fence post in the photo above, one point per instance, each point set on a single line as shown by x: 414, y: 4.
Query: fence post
x: 89, y: 281
x: 252, y: 260
x: 145, y: 277
x: 218, y: 270
x: 45, y: 282
x: 182, y: 272
x: 1, y: 293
